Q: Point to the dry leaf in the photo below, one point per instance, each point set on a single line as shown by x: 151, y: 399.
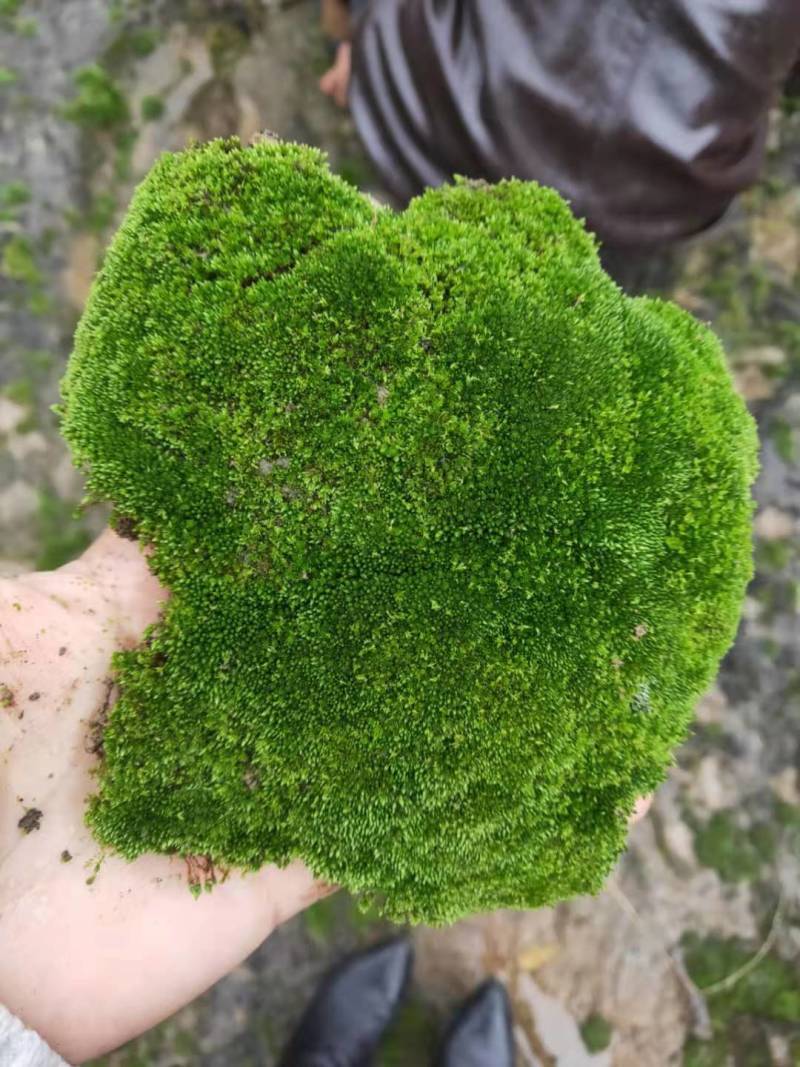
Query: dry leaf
x: 534, y: 958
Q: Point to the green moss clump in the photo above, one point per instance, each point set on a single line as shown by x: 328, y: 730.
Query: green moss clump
x: 7, y: 76
x: 143, y: 41
x: 745, y: 1044
x: 775, y: 555
x: 13, y: 195
x: 596, y: 1032
x: 412, y: 1037
x: 185, y: 1043
x: 131, y: 45
x: 39, y: 303
x: 455, y: 531
x: 21, y: 391
x: 783, y: 439
x: 18, y: 263
x: 152, y: 108
x: 320, y: 920
x: 788, y: 816
x: 329, y: 917
x: 98, y: 104
x: 712, y: 1053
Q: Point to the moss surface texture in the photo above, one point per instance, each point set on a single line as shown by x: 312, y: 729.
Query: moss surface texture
x: 456, y: 532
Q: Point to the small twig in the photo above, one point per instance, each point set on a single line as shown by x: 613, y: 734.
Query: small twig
x: 730, y: 981
x: 523, y: 1046
x: 701, y: 1025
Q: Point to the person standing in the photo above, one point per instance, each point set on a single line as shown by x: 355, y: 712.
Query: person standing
x: 648, y: 115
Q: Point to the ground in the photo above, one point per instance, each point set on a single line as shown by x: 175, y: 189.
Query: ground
x: 691, y: 954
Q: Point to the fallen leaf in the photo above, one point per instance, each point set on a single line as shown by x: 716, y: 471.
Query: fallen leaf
x: 534, y: 958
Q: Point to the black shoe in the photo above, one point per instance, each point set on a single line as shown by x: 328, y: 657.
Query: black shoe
x: 481, y: 1033
x: 351, y: 1009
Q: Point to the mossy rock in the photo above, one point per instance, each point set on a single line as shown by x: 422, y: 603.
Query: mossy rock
x: 456, y: 532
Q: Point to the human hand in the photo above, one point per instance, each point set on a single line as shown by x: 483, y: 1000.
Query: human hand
x: 92, y: 956
x: 335, y: 82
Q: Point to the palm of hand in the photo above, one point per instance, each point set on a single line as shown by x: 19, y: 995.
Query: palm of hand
x: 93, y: 955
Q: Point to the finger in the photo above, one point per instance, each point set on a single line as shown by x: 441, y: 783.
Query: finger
x: 640, y: 809
x: 327, y: 82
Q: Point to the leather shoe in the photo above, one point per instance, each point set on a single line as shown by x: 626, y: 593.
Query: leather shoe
x: 352, y: 1008
x: 481, y: 1033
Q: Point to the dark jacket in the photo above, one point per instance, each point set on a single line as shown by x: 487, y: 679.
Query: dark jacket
x: 649, y: 115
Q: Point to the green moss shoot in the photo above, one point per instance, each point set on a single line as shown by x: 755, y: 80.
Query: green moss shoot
x: 98, y: 103
x: 456, y: 532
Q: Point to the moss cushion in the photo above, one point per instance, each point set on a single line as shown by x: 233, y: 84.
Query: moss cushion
x: 456, y: 532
